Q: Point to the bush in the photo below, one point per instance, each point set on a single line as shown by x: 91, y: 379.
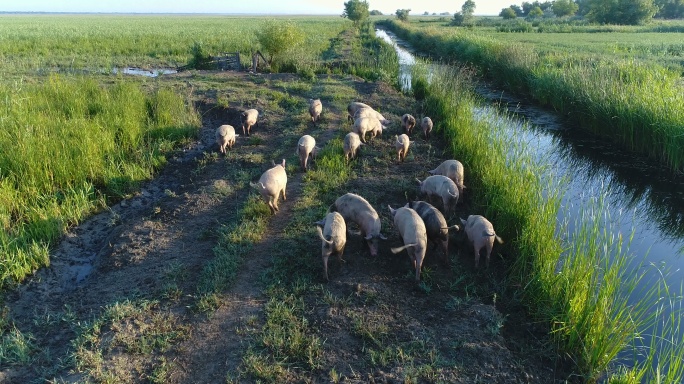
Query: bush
x: 199, y: 58
x: 277, y: 37
x: 515, y: 26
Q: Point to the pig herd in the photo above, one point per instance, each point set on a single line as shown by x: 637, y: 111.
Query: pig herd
x: 417, y: 223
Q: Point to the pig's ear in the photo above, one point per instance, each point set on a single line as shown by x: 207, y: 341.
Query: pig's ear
x: 392, y: 211
x: 320, y: 223
x: 283, y: 164
x: 380, y: 236
x: 407, y: 205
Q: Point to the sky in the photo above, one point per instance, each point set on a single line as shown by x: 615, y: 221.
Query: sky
x: 313, y: 7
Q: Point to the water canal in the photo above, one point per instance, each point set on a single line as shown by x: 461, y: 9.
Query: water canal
x: 641, y: 203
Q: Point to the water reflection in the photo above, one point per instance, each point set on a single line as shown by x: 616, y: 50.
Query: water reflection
x: 406, y: 59
x: 144, y: 72
x: 638, y: 183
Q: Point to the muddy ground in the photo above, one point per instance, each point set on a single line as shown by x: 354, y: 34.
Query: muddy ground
x: 120, y: 301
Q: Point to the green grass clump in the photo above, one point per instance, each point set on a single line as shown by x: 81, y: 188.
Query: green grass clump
x: 68, y: 146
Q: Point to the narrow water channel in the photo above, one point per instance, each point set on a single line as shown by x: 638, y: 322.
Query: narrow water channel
x: 640, y: 198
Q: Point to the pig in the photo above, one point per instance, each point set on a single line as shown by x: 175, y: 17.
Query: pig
x: 481, y: 233
x: 248, y: 119
x: 407, y: 123
x: 402, y: 145
x: 370, y: 112
x: 315, y: 109
x: 333, y: 238
x: 452, y: 169
x: 376, y: 130
x: 435, y: 225
x: 426, y: 125
x: 412, y: 232
x: 356, y: 209
x: 306, y: 147
x: 352, y: 142
x: 271, y: 184
x: 366, y: 124
x: 353, y: 107
x: 225, y: 137
x: 442, y: 187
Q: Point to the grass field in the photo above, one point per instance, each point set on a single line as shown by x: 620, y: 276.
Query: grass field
x: 43, y: 43
x: 632, y: 103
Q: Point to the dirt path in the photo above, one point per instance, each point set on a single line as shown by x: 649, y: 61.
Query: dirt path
x: 129, y: 274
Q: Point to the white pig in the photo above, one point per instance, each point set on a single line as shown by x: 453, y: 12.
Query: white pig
x: 481, y: 233
x: 353, y: 107
x: 452, y: 169
x: 370, y: 112
x: 225, y: 137
x: 442, y: 187
x: 356, y: 209
x: 352, y: 142
x: 333, y: 238
x: 271, y: 184
x: 366, y: 124
x: 248, y: 119
x: 315, y: 109
x: 412, y: 231
x: 306, y: 148
x: 426, y: 125
x: 402, y: 146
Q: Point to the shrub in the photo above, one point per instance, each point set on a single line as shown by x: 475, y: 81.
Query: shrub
x: 515, y: 26
x: 276, y: 37
x: 199, y: 58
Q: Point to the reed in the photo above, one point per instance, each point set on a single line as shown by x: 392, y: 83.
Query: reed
x: 636, y: 105
x: 70, y: 146
x: 572, y: 277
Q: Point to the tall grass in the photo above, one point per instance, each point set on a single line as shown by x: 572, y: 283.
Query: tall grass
x: 68, y: 145
x: 575, y: 280
x: 638, y: 106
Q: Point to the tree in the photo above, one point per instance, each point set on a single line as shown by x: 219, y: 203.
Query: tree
x: 375, y: 12
x: 670, y: 9
x: 626, y: 12
x: 403, y: 14
x: 465, y: 17
x: 508, y: 13
x: 518, y: 11
x: 468, y: 8
x: 564, y: 8
x: 535, y: 13
x: 356, y: 11
x: 527, y: 7
x: 277, y: 37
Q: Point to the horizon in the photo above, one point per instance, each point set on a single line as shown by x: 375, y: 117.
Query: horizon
x: 291, y: 7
